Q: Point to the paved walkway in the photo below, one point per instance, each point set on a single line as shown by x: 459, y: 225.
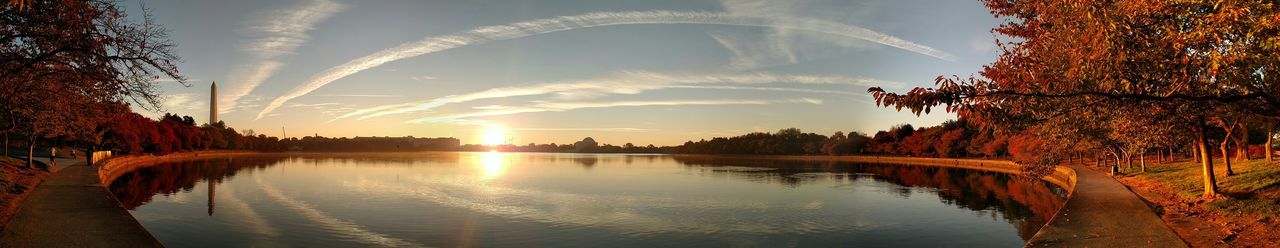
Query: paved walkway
x: 1104, y: 213
x: 72, y: 209
x: 59, y: 163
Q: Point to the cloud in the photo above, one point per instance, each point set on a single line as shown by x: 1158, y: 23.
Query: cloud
x: 422, y: 78
x: 575, y: 129
x: 361, y: 95
x: 781, y: 46
x: 275, y: 34
x: 566, y: 106
x: 596, y: 19
x: 625, y: 83
x: 982, y: 44
x: 312, y: 105
x: 721, y: 87
x: 183, y: 103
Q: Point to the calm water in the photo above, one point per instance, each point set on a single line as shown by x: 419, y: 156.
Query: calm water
x: 579, y: 200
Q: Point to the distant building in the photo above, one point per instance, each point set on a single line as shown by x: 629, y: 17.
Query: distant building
x: 213, y: 103
x: 586, y: 145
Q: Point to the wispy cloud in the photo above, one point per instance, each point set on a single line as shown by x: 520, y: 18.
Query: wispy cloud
x: 782, y: 46
x: 566, y: 106
x: 421, y: 78
x: 361, y: 95
x: 184, y: 103
x: 312, y: 105
x: 721, y: 87
x: 274, y: 35
x: 576, y: 129
x: 541, y: 26
x: 625, y: 83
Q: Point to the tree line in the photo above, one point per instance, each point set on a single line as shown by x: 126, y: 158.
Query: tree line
x: 952, y: 139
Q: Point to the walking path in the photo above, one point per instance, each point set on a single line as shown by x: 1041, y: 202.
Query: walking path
x: 1104, y: 213
x: 73, y: 209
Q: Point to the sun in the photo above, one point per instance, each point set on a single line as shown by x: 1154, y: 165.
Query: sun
x: 493, y: 136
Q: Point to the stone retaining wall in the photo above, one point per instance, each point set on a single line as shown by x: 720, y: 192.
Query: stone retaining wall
x: 115, y: 167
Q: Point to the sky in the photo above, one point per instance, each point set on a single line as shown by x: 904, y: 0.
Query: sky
x: 555, y: 71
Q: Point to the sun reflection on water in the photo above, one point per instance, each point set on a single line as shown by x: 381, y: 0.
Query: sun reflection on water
x: 492, y: 164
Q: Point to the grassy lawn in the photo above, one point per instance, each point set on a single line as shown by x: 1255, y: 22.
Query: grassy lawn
x: 10, y: 160
x: 1255, y: 189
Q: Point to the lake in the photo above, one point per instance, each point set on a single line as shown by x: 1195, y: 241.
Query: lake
x: 578, y: 200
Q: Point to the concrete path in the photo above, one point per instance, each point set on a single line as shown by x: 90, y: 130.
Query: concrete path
x: 1104, y: 213
x: 59, y: 163
x: 72, y: 209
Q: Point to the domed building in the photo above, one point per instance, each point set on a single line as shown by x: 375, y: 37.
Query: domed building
x: 586, y: 145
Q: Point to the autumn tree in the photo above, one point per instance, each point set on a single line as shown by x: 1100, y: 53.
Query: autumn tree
x: 61, y: 60
x: 1059, y: 57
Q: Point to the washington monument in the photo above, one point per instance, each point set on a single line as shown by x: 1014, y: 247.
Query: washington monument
x: 213, y: 103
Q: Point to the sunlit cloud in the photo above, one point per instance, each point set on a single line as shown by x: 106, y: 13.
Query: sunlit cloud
x: 579, y: 129
x: 625, y: 83
x: 275, y: 34
x: 312, y: 105
x: 799, y: 90
x: 566, y: 106
x: 185, y: 103
x: 360, y: 95
x: 541, y: 26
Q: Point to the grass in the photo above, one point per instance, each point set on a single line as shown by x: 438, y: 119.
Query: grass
x: 1254, y: 189
x: 10, y: 160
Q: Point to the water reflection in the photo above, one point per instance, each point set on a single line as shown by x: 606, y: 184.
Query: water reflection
x: 454, y: 199
x: 493, y: 163
x: 139, y: 187
x: 1026, y: 204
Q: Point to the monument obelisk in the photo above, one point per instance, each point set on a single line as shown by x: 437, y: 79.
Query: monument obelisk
x: 213, y: 103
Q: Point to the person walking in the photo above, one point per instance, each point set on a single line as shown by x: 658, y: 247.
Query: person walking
x: 52, y: 151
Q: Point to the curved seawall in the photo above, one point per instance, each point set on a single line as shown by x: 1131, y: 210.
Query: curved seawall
x: 115, y: 167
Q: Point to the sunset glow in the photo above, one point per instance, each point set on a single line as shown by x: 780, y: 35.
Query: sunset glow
x: 492, y: 164
x: 494, y: 136
x: 635, y: 123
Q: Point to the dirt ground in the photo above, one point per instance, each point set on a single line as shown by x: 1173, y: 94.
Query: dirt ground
x: 1202, y: 227
x: 16, y: 181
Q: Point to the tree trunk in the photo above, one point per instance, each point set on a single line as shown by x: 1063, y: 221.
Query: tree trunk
x: 1242, y: 142
x: 1117, y: 166
x: 1160, y: 156
x: 1128, y: 161
x: 1270, y: 133
x: 1142, y: 159
x: 1226, y: 160
x: 1196, y: 153
x: 31, y: 151
x: 1210, y: 183
x: 6, y: 144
